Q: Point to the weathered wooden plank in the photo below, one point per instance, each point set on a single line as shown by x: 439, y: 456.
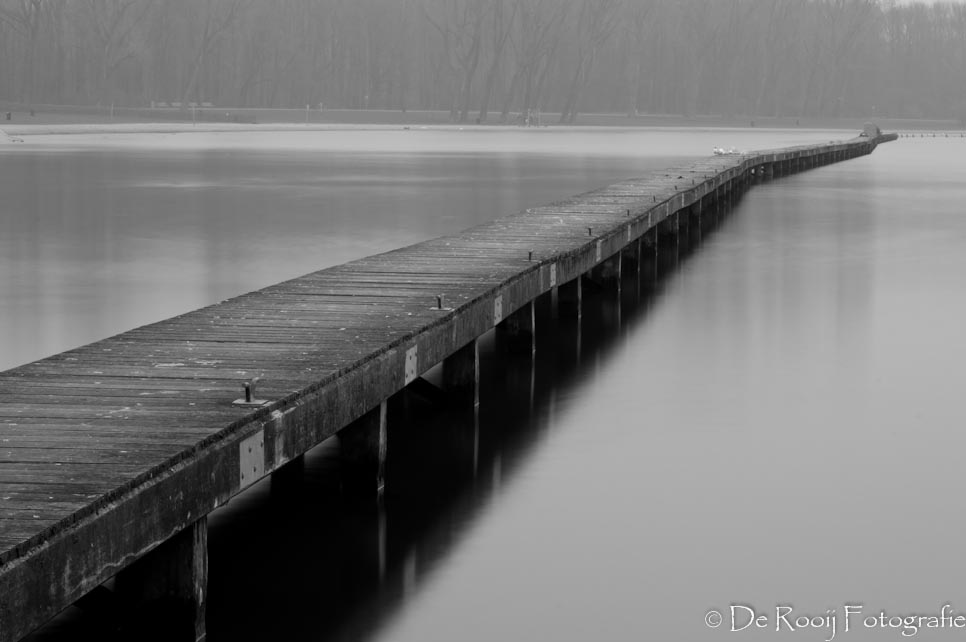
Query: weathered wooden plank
x: 88, y: 490
x: 61, y: 472
x: 13, y: 455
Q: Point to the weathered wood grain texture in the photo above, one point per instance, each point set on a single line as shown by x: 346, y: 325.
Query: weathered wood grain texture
x: 110, y: 449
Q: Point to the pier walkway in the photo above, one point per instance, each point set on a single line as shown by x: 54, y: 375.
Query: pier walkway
x: 112, y: 454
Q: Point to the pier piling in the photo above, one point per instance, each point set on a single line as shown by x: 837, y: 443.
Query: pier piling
x: 364, y: 446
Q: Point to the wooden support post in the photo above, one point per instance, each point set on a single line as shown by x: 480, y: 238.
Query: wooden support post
x: 696, y: 214
x: 569, y: 299
x: 461, y: 374
x: 363, y: 444
x: 165, y: 591
x: 519, y: 330
x: 687, y: 231
x: 669, y: 242
x: 648, y: 262
x: 668, y: 231
x: 682, y: 223
x: 608, y: 273
x: 631, y: 258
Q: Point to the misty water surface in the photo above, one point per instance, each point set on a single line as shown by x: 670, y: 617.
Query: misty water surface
x: 100, y: 233
x: 776, y: 420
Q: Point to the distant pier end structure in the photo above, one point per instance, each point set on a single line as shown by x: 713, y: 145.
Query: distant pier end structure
x: 113, y: 454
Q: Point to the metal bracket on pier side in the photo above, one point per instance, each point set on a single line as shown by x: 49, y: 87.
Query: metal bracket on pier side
x: 411, y: 370
x: 251, y: 460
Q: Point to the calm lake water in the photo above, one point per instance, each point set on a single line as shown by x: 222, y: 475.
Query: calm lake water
x: 775, y: 420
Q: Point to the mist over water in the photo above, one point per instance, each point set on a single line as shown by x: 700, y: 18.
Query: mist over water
x: 773, y: 420
x: 101, y: 233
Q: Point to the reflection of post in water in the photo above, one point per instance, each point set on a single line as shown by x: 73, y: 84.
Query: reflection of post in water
x: 604, y: 281
x: 668, y: 242
x: 517, y: 335
x: 479, y: 437
x: 684, y: 231
x: 496, y: 474
x: 363, y: 444
x: 461, y: 385
x: 518, y: 331
x: 649, y: 263
x: 461, y: 375
x: 465, y: 453
x: 381, y: 538
x: 570, y: 309
x: 631, y: 266
x: 409, y: 574
x: 694, y: 214
x: 631, y: 272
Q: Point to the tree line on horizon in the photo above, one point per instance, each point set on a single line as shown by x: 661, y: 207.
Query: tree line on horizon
x: 490, y: 60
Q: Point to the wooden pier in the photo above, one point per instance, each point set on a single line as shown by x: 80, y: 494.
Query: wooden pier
x: 112, y: 454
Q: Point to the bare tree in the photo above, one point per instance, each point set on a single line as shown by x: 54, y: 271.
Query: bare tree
x: 25, y: 17
x: 730, y: 57
x: 501, y: 23
x: 538, y: 28
x: 633, y: 35
x: 216, y: 18
x: 460, y: 25
x: 111, y: 23
x: 596, y: 22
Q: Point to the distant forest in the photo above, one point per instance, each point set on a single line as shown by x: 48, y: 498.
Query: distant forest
x: 490, y: 59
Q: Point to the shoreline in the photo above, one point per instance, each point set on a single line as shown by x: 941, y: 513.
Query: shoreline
x: 53, y: 122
